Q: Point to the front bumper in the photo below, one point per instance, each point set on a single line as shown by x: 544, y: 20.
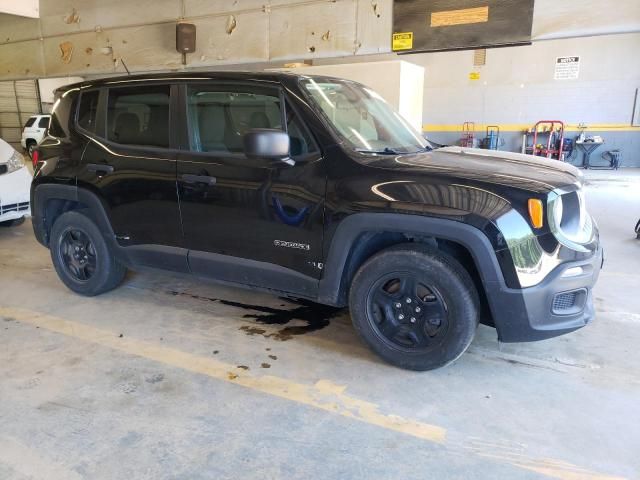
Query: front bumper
x: 14, y: 195
x: 533, y: 313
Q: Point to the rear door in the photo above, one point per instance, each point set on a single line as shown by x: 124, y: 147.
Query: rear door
x: 131, y: 161
x: 249, y: 221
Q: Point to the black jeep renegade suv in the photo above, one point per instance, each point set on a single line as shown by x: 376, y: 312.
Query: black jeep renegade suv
x: 313, y: 187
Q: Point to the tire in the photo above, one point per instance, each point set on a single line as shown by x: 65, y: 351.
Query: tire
x: 443, y: 295
x: 31, y: 145
x: 12, y: 223
x: 638, y: 229
x: 74, y: 234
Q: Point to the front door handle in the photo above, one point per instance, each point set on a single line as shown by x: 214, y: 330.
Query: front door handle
x: 206, y: 179
x: 99, y: 168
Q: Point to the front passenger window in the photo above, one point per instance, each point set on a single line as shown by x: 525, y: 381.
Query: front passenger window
x: 300, y: 141
x: 219, y: 119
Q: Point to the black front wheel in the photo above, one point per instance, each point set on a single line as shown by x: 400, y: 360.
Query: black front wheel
x: 638, y: 229
x: 414, y: 306
x: 81, y: 256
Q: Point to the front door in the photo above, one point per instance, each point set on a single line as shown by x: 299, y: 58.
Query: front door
x: 130, y: 163
x: 246, y: 221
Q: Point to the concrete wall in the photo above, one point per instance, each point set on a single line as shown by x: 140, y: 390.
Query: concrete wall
x: 84, y: 37
x: 87, y: 37
x: 516, y: 88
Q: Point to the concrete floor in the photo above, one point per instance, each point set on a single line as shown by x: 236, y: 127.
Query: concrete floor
x: 167, y: 378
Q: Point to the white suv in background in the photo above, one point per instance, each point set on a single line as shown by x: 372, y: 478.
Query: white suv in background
x: 34, y: 131
x: 15, y: 186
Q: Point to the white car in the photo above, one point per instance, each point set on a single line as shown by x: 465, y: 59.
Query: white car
x: 34, y: 131
x: 15, y: 186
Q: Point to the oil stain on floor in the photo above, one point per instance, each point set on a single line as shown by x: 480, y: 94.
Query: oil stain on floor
x: 315, y: 316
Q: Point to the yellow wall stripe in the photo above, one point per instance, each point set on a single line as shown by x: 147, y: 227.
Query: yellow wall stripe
x: 521, y: 127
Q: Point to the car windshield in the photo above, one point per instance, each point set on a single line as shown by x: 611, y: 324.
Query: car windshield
x: 363, y: 118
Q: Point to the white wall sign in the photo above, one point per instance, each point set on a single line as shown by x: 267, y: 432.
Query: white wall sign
x: 567, y: 68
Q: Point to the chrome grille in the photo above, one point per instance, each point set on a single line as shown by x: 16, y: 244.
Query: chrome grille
x: 569, y: 303
x: 564, y: 301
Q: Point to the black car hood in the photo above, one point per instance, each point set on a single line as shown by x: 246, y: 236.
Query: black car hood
x: 516, y: 170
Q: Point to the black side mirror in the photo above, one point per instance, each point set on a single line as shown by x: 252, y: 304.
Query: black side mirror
x: 267, y: 144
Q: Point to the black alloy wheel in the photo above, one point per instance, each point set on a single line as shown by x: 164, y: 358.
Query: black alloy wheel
x: 78, y: 254
x: 415, y: 306
x: 407, y: 313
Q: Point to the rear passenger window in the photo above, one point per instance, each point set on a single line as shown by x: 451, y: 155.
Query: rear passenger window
x: 44, y: 122
x: 88, y: 110
x: 30, y: 122
x: 139, y: 116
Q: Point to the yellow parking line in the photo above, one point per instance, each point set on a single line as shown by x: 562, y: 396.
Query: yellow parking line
x: 323, y: 395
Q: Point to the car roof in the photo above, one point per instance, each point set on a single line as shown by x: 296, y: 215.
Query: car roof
x: 274, y: 76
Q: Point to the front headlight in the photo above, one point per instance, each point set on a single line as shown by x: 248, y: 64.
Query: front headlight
x: 557, y: 209
x: 569, y: 220
x: 16, y: 162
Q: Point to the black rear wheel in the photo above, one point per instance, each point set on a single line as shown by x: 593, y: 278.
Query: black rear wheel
x: 414, y: 306
x: 81, y: 256
x: 78, y: 254
x: 638, y: 229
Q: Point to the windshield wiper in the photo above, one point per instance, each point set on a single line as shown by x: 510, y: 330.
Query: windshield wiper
x: 425, y: 149
x: 384, y: 151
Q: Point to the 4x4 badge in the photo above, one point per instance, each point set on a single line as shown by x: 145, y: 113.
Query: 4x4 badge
x: 301, y: 246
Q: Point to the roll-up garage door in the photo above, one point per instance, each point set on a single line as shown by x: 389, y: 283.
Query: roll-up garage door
x: 19, y: 100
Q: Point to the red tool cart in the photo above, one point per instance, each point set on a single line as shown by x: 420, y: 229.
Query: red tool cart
x: 468, y: 134
x: 553, y: 130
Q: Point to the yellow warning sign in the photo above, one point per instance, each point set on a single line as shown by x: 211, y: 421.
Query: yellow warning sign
x: 402, y: 41
x: 474, y: 76
x: 460, y: 17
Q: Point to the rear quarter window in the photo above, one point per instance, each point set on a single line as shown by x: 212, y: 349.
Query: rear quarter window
x: 61, y: 115
x: 88, y: 110
x: 30, y: 122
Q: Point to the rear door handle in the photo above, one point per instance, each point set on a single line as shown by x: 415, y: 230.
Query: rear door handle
x: 206, y: 179
x: 99, y: 168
